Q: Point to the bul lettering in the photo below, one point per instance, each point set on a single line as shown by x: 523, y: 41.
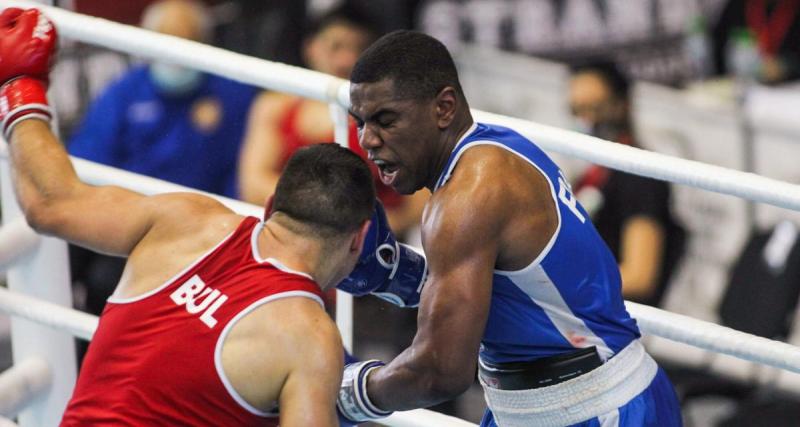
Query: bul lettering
x: 198, y: 298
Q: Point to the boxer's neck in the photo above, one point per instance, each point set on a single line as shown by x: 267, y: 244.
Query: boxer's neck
x: 298, y: 252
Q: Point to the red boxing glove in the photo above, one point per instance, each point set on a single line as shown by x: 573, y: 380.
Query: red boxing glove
x: 27, y: 47
x: 27, y: 44
x: 21, y: 99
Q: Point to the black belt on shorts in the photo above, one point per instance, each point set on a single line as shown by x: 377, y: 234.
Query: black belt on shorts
x: 539, y: 373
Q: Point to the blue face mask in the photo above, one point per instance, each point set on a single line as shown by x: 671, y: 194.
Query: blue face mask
x: 174, y: 79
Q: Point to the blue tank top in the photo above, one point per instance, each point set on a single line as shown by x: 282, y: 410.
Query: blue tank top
x: 570, y: 296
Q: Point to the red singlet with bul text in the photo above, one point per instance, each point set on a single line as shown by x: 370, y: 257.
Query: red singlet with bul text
x: 155, y: 359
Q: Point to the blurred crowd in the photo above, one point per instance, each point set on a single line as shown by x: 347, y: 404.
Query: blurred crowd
x: 215, y: 134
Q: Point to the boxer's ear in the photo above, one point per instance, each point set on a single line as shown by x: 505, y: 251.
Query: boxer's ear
x: 358, y: 240
x: 446, y: 103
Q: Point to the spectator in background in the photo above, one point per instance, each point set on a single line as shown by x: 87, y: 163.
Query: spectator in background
x: 771, y: 28
x: 163, y: 121
x: 281, y: 123
x: 166, y: 121
x: 630, y: 212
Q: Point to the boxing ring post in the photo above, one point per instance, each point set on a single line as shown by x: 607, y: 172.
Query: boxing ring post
x: 44, y: 274
x: 344, y: 301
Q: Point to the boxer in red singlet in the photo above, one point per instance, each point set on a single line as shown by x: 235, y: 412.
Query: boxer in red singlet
x: 217, y: 319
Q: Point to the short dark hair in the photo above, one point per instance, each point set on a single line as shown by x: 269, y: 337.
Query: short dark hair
x: 419, y: 65
x: 608, y: 71
x: 347, y: 14
x: 326, y: 187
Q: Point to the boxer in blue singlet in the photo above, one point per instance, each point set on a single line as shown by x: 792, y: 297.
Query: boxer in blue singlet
x: 518, y: 285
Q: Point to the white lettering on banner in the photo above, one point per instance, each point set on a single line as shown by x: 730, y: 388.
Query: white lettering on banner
x: 628, y: 20
x: 535, y: 28
x: 490, y: 14
x: 582, y: 24
x: 193, y: 290
x: 540, y: 27
x: 566, y: 197
x: 675, y: 14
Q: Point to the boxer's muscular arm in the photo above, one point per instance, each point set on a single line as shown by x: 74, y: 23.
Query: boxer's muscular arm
x: 462, y: 245
x: 107, y: 219
x: 287, y: 350
x: 316, y: 357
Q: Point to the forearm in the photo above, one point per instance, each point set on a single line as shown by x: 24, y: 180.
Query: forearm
x: 638, y: 282
x: 42, y: 170
x: 442, y: 361
x: 642, y: 249
x: 408, y: 383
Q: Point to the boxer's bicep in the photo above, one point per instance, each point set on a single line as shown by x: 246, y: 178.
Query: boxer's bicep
x: 113, y: 220
x: 462, y: 250
x: 314, y: 352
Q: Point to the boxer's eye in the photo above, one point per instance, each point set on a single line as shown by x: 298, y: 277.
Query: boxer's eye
x: 386, y: 120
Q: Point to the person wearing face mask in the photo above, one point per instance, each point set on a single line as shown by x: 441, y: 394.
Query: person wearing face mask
x: 630, y: 212
x: 167, y: 121
x: 164, y: 121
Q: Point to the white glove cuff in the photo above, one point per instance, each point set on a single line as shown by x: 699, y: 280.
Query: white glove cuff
x: 353, y: 401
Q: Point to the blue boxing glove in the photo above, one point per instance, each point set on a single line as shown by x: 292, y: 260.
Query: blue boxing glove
x: 349, y: 358
x: 343, y: 421
x: 387, y: 269
x: 353, y: 405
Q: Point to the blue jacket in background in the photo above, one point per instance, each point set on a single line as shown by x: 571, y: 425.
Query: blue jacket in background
x: 192, y: 140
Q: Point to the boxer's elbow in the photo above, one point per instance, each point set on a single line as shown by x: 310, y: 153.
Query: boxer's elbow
x: 40, y: 214
x: 447, y: 380
x: 49, y: 208
x: 47, y: 211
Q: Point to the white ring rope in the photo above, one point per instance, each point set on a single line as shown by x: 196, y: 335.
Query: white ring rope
x: 319, y: 86
x: 651, y: 320
x: 714, y: 337
x: 655, y: 165
x: 23, y: 382
x: 151, y: 45
x: 17, y: 239
x: 76, y: 323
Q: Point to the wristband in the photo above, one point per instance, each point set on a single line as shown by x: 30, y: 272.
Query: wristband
x: 21, y: 99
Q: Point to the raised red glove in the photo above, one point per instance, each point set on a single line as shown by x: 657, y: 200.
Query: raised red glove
x: 27, y: 48
x: 27, y: 44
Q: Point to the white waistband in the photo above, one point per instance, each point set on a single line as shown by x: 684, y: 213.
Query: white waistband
x: 595, y: 393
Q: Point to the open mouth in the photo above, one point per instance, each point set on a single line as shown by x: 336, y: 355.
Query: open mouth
x: 388, y: 171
